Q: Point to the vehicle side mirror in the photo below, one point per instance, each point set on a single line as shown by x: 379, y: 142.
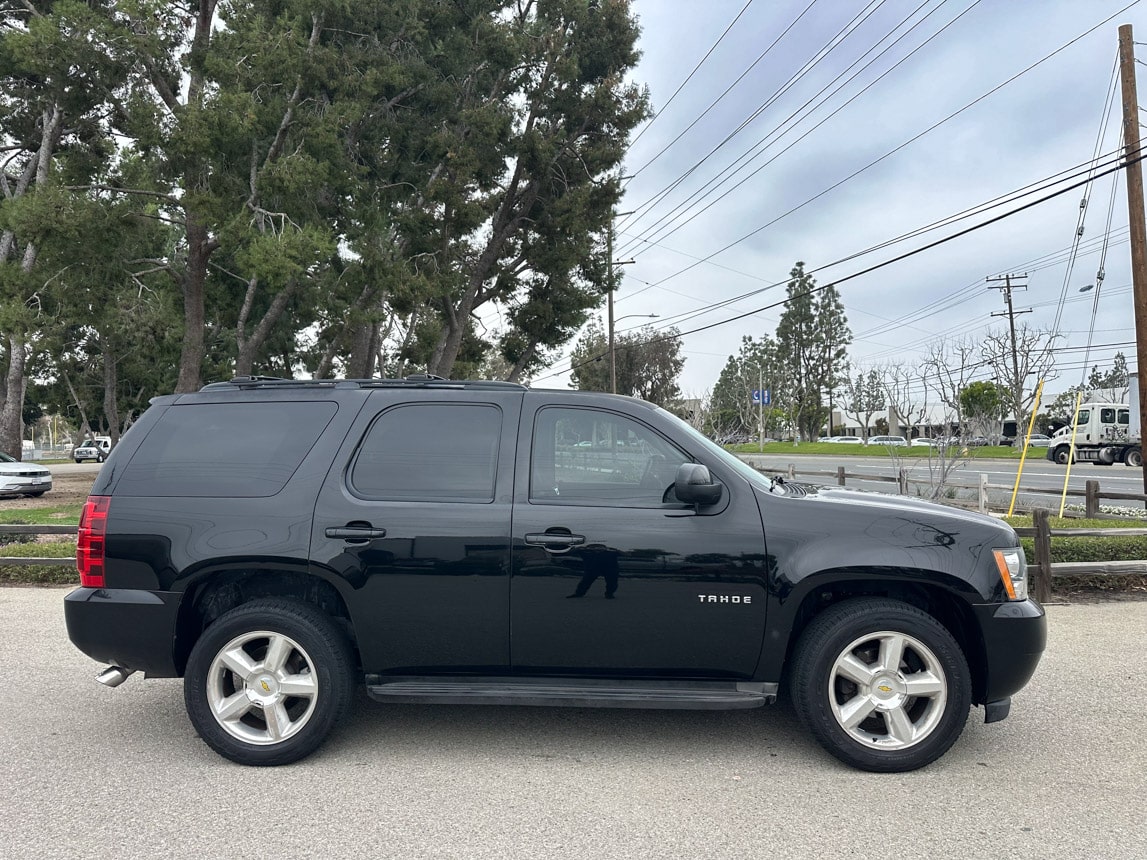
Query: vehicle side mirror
x: 695, y: 486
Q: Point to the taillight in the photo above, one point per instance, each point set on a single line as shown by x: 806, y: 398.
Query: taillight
x: 90, y: 541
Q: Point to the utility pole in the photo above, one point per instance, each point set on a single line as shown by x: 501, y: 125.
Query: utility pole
x: 609, y: 275
x: 609, y: 264
x: 1135, y: 214
x: 1017, y: 385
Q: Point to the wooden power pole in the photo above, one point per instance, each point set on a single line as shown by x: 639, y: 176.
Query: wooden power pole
x: 1135, y: 212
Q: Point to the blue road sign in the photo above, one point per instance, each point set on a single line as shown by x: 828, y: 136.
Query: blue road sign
x: 762, y: 398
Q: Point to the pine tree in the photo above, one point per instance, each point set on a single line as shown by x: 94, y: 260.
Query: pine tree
x: 812, y: 341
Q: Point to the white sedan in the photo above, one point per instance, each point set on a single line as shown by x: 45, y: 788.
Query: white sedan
x: 23, y: 479
x: 894, y: 441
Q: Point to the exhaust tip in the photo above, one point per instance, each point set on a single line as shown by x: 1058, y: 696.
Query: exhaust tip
x: 113, y: 676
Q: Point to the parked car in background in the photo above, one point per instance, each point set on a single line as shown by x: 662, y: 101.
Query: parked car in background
x: 96, y: 449
x: 847, y: 440
x: 1038, y: 440
x: 893, y: 441
x: 23, y: 479
x: 925, y: 442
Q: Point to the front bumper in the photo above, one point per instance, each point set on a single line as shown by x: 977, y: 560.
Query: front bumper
x: 125, y: 627
x: 23, y: 486
x: 1015, y: 635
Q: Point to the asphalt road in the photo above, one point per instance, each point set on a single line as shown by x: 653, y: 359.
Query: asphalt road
x: 1037, y: 473
x: 91, y: 772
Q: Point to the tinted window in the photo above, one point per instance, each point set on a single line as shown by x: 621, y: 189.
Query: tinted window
x: 224, y: 449
x: 1107, y: 415
x: 1124, y: 416
x: 430, y: 452
x: 585, y: 456
x: 1083, y: 417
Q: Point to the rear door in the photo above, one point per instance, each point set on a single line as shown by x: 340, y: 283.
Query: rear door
x: 611, y: 575
x: 414, y: 516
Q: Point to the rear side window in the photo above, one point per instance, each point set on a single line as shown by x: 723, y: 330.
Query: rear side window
x: 445, y: 452
x: 244, y: 450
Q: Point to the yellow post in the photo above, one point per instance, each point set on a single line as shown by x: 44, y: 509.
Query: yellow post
x: 1024, y: 453
x: 1070, y: 451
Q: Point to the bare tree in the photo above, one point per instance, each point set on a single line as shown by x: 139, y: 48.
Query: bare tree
x: 949, y: 365
x: 863, y: 397
x: 906, y: 390
x: 1018, y: 371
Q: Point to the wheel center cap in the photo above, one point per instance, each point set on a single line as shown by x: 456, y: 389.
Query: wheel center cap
x: 887, y: 689
x: 263, y: 689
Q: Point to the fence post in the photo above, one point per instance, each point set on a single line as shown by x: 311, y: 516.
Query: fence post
x: 1091, y: 499
x: 1041, y: 582
x: 840, y: 475
x: 902, y: 482
x: 983, y: 492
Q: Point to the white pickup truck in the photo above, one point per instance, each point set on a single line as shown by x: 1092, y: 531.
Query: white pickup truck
x: 96, y: 448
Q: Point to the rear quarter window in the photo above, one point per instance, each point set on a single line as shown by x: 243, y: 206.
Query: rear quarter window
x: 243, y: 450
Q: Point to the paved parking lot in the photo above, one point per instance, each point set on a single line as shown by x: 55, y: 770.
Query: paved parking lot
x: 91, y: 772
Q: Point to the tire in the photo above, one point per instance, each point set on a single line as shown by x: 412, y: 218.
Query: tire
x: 1134, y: 457
x: 839, y: 674
x: 1062, y: 454
x: 228, y: 687
x: 78, y: 460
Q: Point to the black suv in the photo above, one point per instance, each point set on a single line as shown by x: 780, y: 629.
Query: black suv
x: 275, y: 542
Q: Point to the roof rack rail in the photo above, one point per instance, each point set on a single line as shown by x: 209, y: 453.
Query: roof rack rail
x: 413, y: 381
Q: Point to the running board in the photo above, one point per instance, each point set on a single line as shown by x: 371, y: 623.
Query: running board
x: 579, y: 693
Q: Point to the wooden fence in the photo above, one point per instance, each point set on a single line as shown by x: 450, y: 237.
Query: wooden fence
x: 1092, y: 494
x: 1043, y: 570
x: 32, y: 561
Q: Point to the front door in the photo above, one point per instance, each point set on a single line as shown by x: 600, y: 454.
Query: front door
x: 613, y: 576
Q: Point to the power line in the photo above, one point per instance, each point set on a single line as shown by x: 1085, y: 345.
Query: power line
x: 688, y: 77
x: 779, y: 131
x: 877, y: 266
x: 1105, y: 117
x: 1084, y: 169
x: 646, y: 206
x: 728, y: 89
x: 901, y: 146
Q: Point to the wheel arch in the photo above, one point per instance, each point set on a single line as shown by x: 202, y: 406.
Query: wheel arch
x: 915, y: 588
x: 222, y: 589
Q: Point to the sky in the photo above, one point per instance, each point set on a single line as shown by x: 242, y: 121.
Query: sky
x: 773, y: 57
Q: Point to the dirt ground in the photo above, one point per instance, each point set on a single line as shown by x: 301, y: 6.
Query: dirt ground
x: 66, y: 490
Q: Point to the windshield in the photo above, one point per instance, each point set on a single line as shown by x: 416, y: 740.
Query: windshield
x: 4, y: 458
x: 737, y: 465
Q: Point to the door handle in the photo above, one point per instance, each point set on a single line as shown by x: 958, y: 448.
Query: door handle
x: 555, y: 542
x: 354, y: 532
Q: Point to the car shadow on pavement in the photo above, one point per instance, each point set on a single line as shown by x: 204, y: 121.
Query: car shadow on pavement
x: 566, y: 731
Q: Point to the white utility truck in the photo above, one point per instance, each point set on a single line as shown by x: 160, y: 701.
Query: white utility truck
x: 1105, y: 433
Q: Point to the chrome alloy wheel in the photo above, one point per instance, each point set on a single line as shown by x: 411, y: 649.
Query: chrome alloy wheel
x: 887, y: 690
x: 261, y: 687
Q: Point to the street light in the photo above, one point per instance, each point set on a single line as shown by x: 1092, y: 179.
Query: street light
x: 612, y: 351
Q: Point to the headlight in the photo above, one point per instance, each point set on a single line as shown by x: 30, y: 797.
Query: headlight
x: 1013, y: 567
